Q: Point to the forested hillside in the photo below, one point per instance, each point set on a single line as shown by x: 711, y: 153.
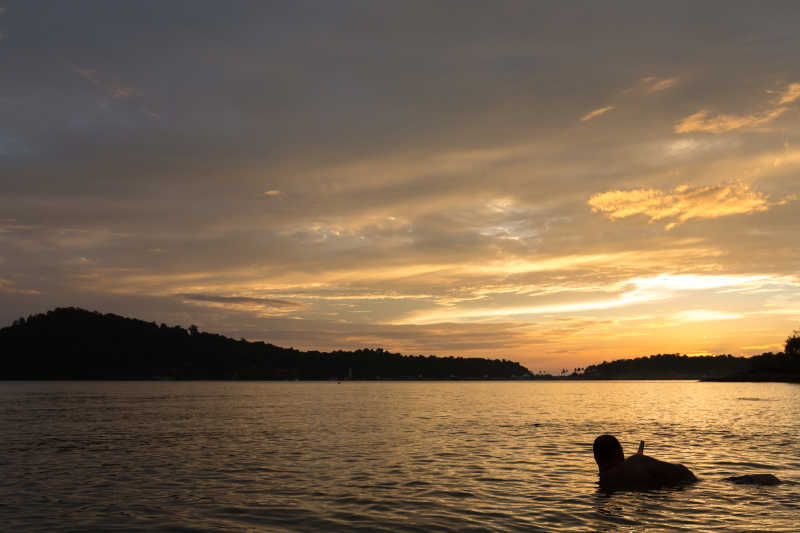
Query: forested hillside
x: 72, y: 343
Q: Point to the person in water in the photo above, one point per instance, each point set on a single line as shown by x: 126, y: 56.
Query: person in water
x: 637, y: 472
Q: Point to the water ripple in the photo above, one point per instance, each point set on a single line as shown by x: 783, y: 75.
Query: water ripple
x: 413, y: 456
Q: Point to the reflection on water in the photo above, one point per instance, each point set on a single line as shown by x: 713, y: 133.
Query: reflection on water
x: 389, y: 456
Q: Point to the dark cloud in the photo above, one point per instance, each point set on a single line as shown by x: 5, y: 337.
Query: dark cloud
x: 260, y: 302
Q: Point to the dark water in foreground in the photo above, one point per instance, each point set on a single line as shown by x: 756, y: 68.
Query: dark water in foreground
x: 389, y: 456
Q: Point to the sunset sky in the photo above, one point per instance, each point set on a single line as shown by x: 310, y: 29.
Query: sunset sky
x: 553, y: 183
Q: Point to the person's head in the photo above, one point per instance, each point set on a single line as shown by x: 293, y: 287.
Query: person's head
x: 607, y: 452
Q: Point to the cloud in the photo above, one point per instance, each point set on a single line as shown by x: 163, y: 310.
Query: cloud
x: 390, y: 290
x: 122, y: 92
x: 406, y: 196
x: 790, y: 94
x: 655, y: 85
x: 704, y: 315
x: 467, y: 339
x: 707, y: 122
x: 628, y: 292
x: 264, y: 306
x: 263, y: 302
x: 682, y: 203
x: 113, y: 88
x: 704, y: 121
x: 9, y: 287
x: 455, y: 314
x: 596, y: 113
x: 764, y: 347
x: 88, y: 74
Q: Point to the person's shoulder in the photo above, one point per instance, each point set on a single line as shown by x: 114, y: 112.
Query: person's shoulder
x: 661, y: 470
x: 644, y: 460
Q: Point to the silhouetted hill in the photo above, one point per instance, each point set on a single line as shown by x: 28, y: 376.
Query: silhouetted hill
x: 764, y: 367
x: 72, y: 343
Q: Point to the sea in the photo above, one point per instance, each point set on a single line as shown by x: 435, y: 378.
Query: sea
x: 390, y: 456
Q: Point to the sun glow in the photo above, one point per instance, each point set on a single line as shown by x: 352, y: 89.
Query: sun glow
x: 631, y: 292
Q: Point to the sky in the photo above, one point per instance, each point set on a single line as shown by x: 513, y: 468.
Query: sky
x: 556, y: 183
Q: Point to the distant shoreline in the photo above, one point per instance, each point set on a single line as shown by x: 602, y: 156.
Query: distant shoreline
x: 795, y: 380
x: 69, y: 344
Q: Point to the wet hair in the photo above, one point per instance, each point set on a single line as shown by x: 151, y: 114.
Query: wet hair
x: 607, y: 451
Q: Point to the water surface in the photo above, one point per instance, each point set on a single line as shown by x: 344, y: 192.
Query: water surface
x: 389, y: 456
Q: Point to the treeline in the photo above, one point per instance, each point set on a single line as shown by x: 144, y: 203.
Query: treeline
x: 765, y: 367
x: 72, y: 343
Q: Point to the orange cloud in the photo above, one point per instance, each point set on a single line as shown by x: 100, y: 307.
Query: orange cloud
x: 682, y: 203
x: 655, y: 85
x: 704, y: 121
x: 9, y: 287
x: 596, y: 113
x: 790, y: 94
x: 764, y: 347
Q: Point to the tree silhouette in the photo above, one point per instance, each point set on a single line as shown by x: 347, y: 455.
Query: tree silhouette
x: 793, y: 344
x: 72, y: 343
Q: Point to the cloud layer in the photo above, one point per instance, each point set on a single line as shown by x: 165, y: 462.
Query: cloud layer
x: 266, y: 306
x: 708, y: 122
x: 434, y: 178
x: 681, y: 203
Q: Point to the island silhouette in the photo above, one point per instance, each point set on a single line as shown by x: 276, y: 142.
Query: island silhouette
x: 73, y: 343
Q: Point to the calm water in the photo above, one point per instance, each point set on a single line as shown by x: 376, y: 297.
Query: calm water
x: 389, y: 456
